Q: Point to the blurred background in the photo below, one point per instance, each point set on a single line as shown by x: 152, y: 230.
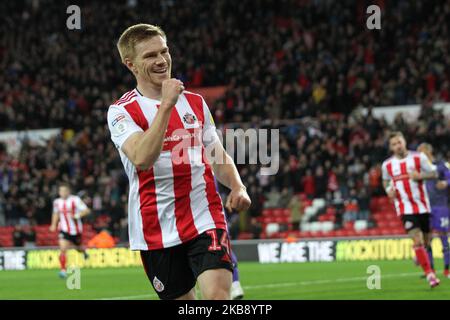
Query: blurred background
x: 308, y: 67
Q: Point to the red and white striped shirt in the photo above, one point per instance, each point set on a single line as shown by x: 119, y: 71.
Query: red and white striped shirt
x: 176, y: 199
x: 411, y: 196
x: 67, y: 210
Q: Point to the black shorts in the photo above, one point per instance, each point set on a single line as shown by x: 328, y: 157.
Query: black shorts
x: 75, y: 239
x: 414, y: 221
x: 173, y: 271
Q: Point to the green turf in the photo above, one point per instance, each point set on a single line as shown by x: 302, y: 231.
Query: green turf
x: 337, y: 280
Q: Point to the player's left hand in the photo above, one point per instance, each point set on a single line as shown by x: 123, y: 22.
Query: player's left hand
x: 238, y: 200
x: 415, y: 176
x: 441, y: 185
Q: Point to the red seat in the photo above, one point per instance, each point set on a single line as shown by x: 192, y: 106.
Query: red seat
x: 363, y: 233
x: 340, y: 233
x: 351, y: 233
x: 305, y: 234
x: 275, y: 235
x: 385, y: 231
x: 331, y: 233
x: 383, y: 224
x: 267, y: 212
x: 398, y: 230
x: 278, y: 212
x: 394, y: 223
x: 267, y: 220
x: 348, y: 225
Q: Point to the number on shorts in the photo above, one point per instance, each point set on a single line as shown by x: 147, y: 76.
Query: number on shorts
x: 215, y: 246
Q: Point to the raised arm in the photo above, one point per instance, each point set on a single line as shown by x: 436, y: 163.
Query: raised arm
x: 143, y: 148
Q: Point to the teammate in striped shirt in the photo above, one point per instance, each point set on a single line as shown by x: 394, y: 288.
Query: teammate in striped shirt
x: 163, y: 134
x: 68, y: 210
x: 440, y: 213
x: 403, y: 179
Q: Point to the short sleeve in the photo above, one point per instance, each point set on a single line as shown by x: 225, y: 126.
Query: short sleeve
x: 81, y: 206
x: 121, y: 125
x: 55, y: 206
x: 209, y: 128
x: 384, y: 173
x: 425, y: 164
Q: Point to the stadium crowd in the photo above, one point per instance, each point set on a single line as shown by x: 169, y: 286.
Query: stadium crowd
x: 291, y: 59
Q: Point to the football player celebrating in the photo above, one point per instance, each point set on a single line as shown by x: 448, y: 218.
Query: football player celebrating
x: 176, y: 218
x: 403, y: 179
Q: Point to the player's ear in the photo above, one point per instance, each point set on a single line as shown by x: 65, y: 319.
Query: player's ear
x: 130, y: 65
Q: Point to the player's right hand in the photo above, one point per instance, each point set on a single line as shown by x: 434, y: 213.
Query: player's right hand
x: 171, y: 89
x: 52, y: 228
x: 441, y: 185
x: 391, y: 193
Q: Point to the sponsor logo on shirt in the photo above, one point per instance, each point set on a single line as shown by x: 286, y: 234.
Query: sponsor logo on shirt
x: 401, y: 177
x: 118, y: 125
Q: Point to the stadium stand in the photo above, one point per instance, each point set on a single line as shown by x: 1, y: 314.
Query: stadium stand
x: 276, y: 63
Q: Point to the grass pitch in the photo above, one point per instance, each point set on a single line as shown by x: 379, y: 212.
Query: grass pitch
x: 335, y: 280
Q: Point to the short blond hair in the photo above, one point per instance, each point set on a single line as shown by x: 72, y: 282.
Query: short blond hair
x: 395, y: 134
x: 426, y: 146
x: 134, y: 34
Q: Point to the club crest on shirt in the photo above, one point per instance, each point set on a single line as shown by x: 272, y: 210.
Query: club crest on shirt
x: 158, y: 285
x: 189, y: 118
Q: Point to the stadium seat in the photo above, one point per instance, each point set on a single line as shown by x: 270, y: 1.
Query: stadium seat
x: 383, y: 224
x: 305, y: 234
x: 278, y: 212
x: 348, y: 225
x: 362, y: 233
x: 340, y: 233
x: 360, y: 225
x: 272, y: 228
x: 331, y: 233
x: 315, y: 226
x: 327, y: 226
x: 267, y: 212
x: 307, y: 203
x: 318, y: 203
x: 310, y: 212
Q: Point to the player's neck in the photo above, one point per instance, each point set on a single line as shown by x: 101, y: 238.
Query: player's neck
x: 402, y: 155
x: 149, y: 90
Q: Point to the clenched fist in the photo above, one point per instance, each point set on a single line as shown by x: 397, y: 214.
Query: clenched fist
x: 416, y: 176
x: 171, y: 89
x: 391, y: 193
x: 441, y: 185
x: 238, y: 200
